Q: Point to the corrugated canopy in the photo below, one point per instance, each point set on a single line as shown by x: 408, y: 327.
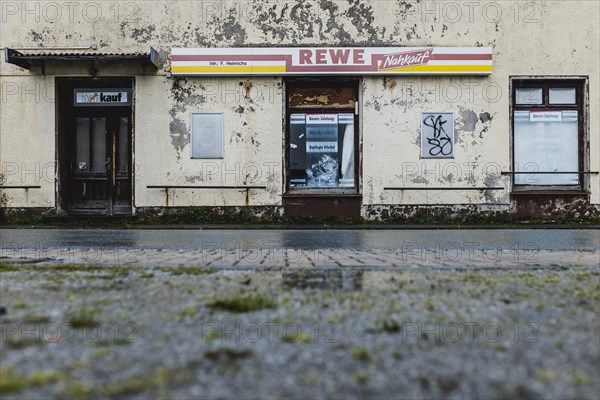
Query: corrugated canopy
x: 40, y: 58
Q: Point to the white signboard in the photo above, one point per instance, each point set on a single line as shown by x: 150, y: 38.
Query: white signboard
x: 321, y: 118
x: 207, y: 135
x: 545, y: 116
x: 321, y: 147
x: 332, y: 61
x: 437, y: 135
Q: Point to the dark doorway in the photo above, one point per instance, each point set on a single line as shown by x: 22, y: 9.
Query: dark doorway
x: 95, y: 142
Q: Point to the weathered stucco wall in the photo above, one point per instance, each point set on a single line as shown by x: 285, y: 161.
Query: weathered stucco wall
x: 392, y: 112
x: 553, y: 38
x: 27, y: 139
x: 253, y: 151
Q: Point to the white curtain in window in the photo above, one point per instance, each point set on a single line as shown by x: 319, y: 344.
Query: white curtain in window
x: 347, y: 167
x: 546, y: 146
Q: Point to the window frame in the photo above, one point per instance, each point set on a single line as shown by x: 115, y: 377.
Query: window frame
x: 580, y: 83
x: 328, y: 83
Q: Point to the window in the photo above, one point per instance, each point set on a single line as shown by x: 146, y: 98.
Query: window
x: 548, y: 134
x: 322, y: 142
x: 321, y: 150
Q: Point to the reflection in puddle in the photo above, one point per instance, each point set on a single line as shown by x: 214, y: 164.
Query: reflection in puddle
x: 324, y: 279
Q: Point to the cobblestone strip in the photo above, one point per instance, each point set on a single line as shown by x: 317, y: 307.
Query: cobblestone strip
x: 287, y: 258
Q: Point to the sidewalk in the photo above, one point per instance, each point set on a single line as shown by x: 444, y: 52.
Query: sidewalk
x: 268, y: 258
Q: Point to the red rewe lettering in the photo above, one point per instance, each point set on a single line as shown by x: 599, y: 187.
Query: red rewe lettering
x: 339, y: 56
x: 321, y: 54
x: 359, y: 56
x: 331, y: 56
x: 305, y: 57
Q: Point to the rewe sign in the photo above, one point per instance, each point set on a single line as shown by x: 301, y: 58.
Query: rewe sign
x: 333, y: 61
x: 331, y: 56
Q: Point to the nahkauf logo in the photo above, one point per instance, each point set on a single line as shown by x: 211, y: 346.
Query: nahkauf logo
x: 102, y: 97
x: 405, y: 59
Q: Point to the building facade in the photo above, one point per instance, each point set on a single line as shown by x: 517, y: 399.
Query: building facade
x: 351, y: 108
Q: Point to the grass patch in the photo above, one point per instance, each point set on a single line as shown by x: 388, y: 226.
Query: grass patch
x: 83, y: 318
x: 23, y: 341
x: 119, y: 341
x: 552, y: 278
x: 21, y: 305
x: 243, y: 303
x: 360, y: 353
x: 76, y: 390
x: 157, y: 383
x: 67, y: 268
x: 387, y: 325
x: 584, y: 276
x: 188, y: 311
x: 227, y: 353
x: 590, y: 293
x: 82, y: 321
x: 299, y: 337
x: 36, y: 319
x: 361, y: 378
x: 10, y: 382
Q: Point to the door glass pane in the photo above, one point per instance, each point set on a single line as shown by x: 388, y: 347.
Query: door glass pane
x: 529, y: 96
x: 123, y: 149
x: 322, y: 150
x: 99, y: 145
x: 562, y: 96
x: 546, y: 141
x: 82, y: 146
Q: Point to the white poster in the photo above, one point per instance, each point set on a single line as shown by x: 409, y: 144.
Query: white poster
x: 207, y: 135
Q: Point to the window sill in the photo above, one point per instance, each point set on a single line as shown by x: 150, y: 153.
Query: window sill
x: 549, y: 192
x: 307, y: 193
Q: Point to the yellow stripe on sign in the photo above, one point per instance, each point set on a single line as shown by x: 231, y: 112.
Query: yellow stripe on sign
x: 442, y: 68
x: 232, y: 69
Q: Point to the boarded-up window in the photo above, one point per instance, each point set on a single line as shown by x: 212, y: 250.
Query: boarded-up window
x: 207, y: 135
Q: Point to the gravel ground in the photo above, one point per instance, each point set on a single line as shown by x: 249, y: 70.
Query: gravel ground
x: 152, y: 331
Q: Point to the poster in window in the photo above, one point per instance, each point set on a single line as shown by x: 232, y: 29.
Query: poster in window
x: 437, y: 135
x: 322, y: 150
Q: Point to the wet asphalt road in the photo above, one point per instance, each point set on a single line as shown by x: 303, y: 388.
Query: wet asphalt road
x: 360, y: 240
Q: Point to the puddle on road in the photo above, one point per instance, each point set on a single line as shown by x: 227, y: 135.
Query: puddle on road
x: 324, y: 279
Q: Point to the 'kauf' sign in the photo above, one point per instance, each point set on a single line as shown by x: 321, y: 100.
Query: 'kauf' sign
x: 102, y: 97
x: 333, y: 61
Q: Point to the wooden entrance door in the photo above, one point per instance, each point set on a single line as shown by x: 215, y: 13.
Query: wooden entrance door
x: 101, y: 162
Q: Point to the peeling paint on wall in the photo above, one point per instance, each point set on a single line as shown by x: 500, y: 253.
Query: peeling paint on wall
x: 467, y: 120
x: 254, y: 125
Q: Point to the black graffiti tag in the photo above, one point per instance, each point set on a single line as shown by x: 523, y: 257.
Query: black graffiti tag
x: 440, y: 143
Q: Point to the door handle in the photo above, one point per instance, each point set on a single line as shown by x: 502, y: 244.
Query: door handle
x: 107, y: 163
